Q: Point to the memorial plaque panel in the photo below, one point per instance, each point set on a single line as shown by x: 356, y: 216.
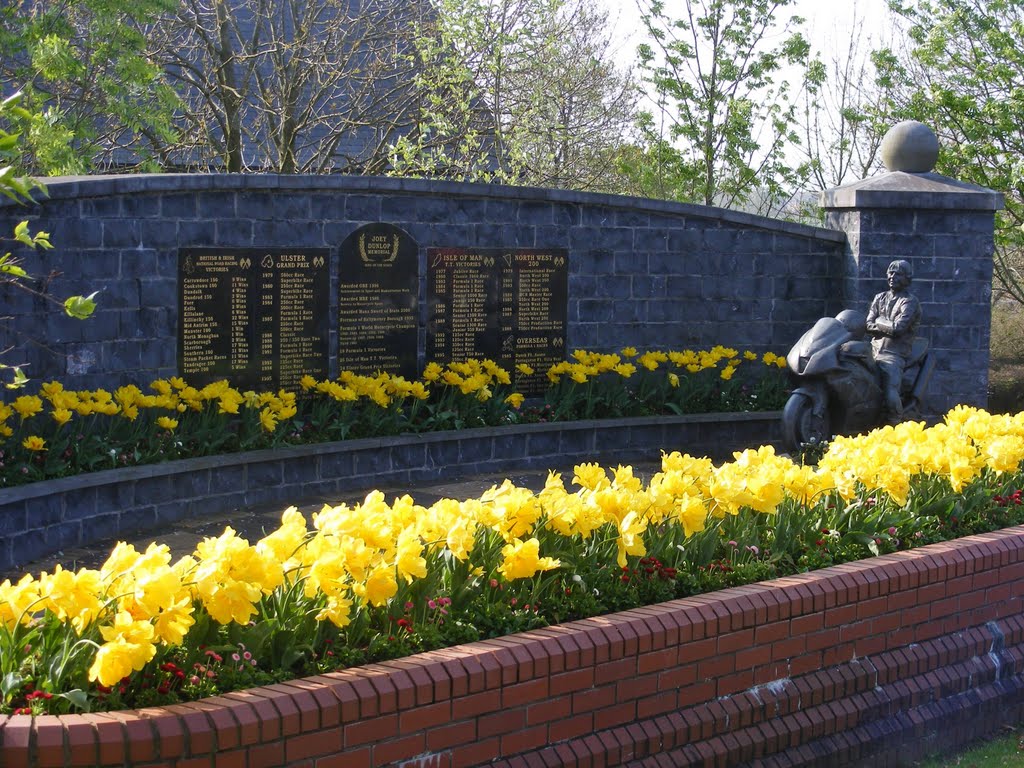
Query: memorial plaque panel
x: 257, y: 317
x: 378, y: 302
x: 505, y: 304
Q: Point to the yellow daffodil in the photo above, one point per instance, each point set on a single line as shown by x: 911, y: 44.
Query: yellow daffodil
x: 34, y: 443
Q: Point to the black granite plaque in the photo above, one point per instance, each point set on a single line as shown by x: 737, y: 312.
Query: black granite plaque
x: 257, y: 317
x: 508, y: 305
x: 378, y: 306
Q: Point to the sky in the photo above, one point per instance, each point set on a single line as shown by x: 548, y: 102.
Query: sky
x: 829, y: 22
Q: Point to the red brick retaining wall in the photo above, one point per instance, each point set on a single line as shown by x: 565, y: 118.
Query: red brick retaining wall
x: 867, y: 663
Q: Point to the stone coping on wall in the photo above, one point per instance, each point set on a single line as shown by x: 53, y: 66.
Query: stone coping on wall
x: 40, y: 519
x: 131, y: 184
x: 869, y: 663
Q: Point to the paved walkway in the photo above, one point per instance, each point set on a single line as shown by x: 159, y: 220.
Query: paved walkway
x: 253, y: 523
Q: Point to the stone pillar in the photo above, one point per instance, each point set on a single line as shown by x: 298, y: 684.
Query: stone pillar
x: 945, y: 229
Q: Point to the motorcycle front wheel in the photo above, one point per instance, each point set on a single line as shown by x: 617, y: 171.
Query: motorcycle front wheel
x: 800, y: 425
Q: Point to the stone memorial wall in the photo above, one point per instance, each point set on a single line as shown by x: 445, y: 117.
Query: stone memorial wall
x: 550, y: 267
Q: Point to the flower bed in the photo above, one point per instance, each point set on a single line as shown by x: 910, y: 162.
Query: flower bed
x: 893, y: 655
x: 59, y: 433
x: 42, y: 518
x: 379, y: 581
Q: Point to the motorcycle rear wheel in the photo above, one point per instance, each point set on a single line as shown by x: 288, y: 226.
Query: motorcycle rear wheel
x: 799, y: 424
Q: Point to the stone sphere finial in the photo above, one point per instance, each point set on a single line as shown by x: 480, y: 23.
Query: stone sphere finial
x: 911, y: 147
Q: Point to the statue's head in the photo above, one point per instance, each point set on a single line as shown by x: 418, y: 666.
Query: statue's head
x: 855, y: 322
x: 899, y: 274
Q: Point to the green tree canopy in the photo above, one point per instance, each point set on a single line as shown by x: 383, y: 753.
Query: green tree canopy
x: 726, y: 112
x: 86, y: 82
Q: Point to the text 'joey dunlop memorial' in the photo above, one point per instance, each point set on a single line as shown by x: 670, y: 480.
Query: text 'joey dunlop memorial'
x: 256, y: 317
x: 508, y: 305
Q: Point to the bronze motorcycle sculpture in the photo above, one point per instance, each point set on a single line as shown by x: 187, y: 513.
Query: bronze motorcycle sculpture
x: 839, y: 387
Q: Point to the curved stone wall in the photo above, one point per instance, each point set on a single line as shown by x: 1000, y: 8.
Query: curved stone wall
x: 645, y: 273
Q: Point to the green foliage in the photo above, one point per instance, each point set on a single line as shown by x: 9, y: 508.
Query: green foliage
x: 88, y: 83
x: 726, y: 114
x: 963, y: 76
x: 516, y: 91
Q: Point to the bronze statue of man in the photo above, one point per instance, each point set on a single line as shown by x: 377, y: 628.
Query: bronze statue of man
x: 891, y: 322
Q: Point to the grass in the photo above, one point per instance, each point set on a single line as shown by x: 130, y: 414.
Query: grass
x: 1004, y: 750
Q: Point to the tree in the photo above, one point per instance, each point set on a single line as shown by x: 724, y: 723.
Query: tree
x: 522, y: 91
x: 725, y: 111
x: 87, y: 87
x: 841, y: 127
x: 963, y: 76
x: 288, y: 86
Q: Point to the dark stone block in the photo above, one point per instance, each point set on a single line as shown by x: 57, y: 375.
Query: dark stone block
x: 564, y: 215
x: 652, y: 240
x: 299, y: 471
x: 466, y: 211
x: 117, y: 294
x: 595, y: 311
x: 629, y: 311
x: 121, y: 233
x: 228, y: 479
x: 363, y: 208
x: 411, y: 456
x: 140, y: 206
x: 238, y: 232
x: 631, y: 262
x: 398, y: 208
x: 149, y: 323
x: 597, y: 216
x: 114, y: 496
x: 99, y: 264
x: 157, y: 354
x: 597, y: 262
x: 269, y: 495
x: 102, y: 207
x: 195, y: 234
x: 474, y: 450
x: 264, y: 474
x: 646, y: 287
x: 535, y: 213
x: 158, y: 292
x: 136, y: 522
x: 508, y: 448
x: 572, y: 444
x: 81, y: 504
x: 66, y: 535
x: 335, y: 465
x: 443, y: 454
x: 14, y: 518
x: 551, y: 236
x: 121, y: 356
x: 686, y: 242
x: 178, y: 205
x: 632, y: 218
x: 28, y: 546
x: 542, y: 443
x: 584, y: 286
x: 447, y: 235
x: 102, y: 527
x: 499, y: 211
x: 432, y: 210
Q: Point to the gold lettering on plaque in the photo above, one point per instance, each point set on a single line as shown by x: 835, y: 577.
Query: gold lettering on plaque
x: 378, y: 249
